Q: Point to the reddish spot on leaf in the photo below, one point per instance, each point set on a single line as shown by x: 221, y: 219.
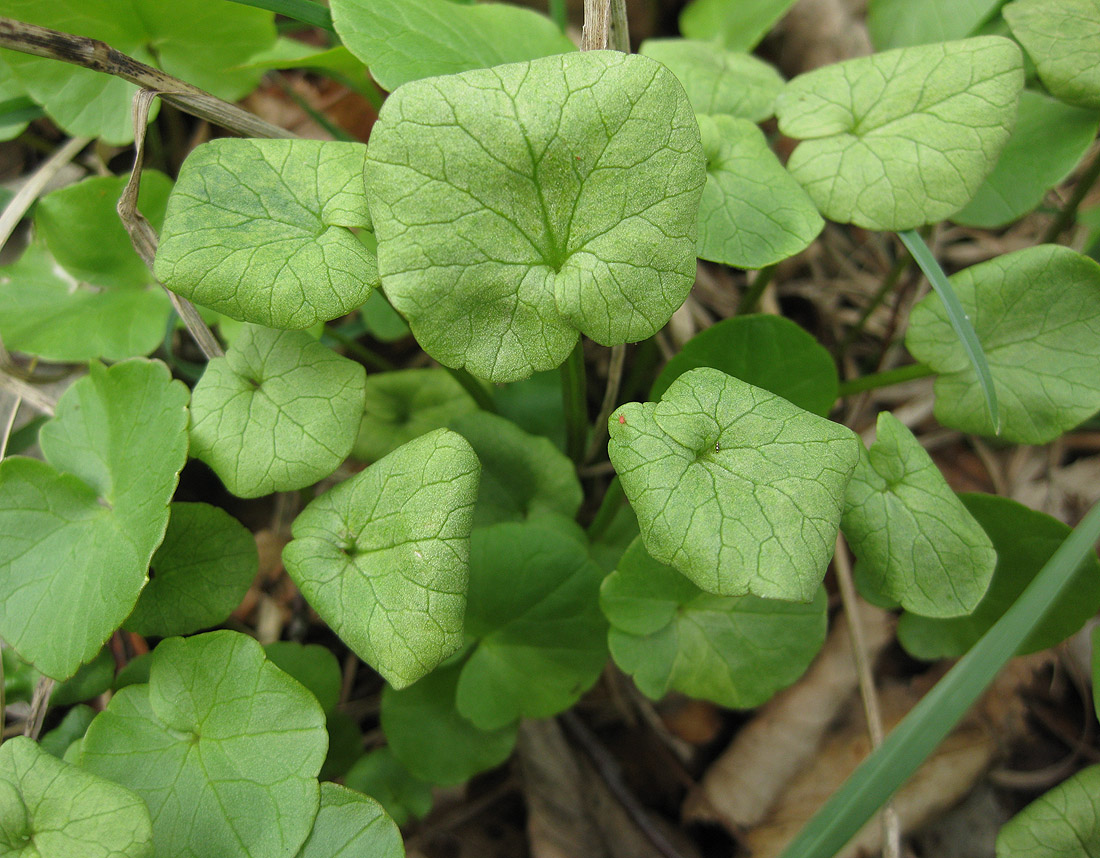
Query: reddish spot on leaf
x: 622, y: 419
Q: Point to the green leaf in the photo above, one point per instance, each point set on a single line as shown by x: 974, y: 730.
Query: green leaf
x: 278, y: 412
x: 262, y: 231
x: 380, y: 774
x: 71, y: 729
x: 312, y: 665
x: 753, y: 212
x: 135, y: 672
x: 431, y: 739
x: 81, y: 228
x: 223, y: 746
x: 735, y: 487
x: 1063, y: 38
x: 671, y: 636
x: 345, y: 744
x: 1034, y: 312
x: 405, y: 40
x: 566, y: 204
x: 91, y: 680
x: 404, y: 405
x: 44, y: 311
x: 201, y: 41
x: 771, y: 352
x: 738, y: 26
x: 20, y: 676
x: 49, y: 809
x: 306, y: 11
x: 1062, y: 823
x: 16, y: 108
x: 349, y: 823
x: 77, y: 534
x: 1048, y: 141
x: 905, y: 137
x: 199, y: 574
x: 901, y: 23
x: 381, y: 320
x: 534, y: 612
x: 523, y: 477
x: 1024, y: 540
x: 719, y: 81
x: 535, y: 404
x: 917, y: 542
x: 383, y: 557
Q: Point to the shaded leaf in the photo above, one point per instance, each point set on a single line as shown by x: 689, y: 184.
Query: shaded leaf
x: 71, y: 729
x: 900, y: 23
x: 1063, y: 39
x: 91, y: 680
x: 380, y: 775
x: 312, y: 665
x: 738, y: 26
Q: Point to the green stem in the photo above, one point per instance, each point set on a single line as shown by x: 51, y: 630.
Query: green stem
x: 929, y: 722
x: 887, y: 286
x: 360, y: 351
x: 475, y: 388
x: 576, y: 403
x: 1068, y: 214
x: 559, y: 14
x: 313, y: 113
x: 884, y: 379
x: 751, y: 296
x: 609, y: 508
x: 610, y: 397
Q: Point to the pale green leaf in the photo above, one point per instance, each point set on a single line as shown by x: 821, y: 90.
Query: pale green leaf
x: 1062, y: 823
x: 1024, y: 540
x: 523, y: 477
x: 199, y: 574
x: 902, y: 23
x: 380, y: 775
x: 262, y: 231
x: 737, y: 25
x: 719, y: 81
x: 541, y: 640
x: 404, y: 405
x: 1048, y: 141
x: 201, y: 41
x: 1063, y: 39
x: 223, y: 746
x: 753, y: 213
x: 771, y: 352
x: 1036, y: 313
x: 77, y: 534
x: 50, y: 809
x: 671, y: 636
x: 351, y: 824
x: 405, y: 40
x: 916, y: 541
x: 735, y: 487
x: 565, y: 204
x: 431, y: 739
x: 383, y: 557
x: 278, y: 412
x: 312, y: 665
x: 905, y: 137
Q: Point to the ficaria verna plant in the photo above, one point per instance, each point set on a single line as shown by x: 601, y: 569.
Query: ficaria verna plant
x: 520, y: 212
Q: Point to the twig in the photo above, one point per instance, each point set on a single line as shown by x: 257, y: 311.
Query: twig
x: 40, y: 702
x: 619, y: 37
x: 144, y: 238
x: 610, y: 397
x: 597, y: 25
x: 30, y: 394
x: 842, y: 563
x: 1068, y: 214
x: 608, y: 771
x: 101, y: 57
x: 751, y: 297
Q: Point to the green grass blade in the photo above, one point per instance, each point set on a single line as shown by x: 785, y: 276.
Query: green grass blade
x: 956, y: 315
x: 305, y: 11
x: 932, y: 719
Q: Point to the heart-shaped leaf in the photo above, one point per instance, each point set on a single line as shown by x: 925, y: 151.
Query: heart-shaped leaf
x: 916, y: 541
x: 279, y: 412
x: 1035, y: 313
x: 671, y: 636
x: 771, y: 352
x: 534, y: 612
x: 202, y: 41
x: 735, y: 487
x: 1063, y: 39
x: 50, y: 809
x: 261, y: 230
x: 350, y: 823
x: 384, y: 556
x: 404, y: 40
x: 566, y: 204
x: 77, y: 534
x: 718, y: 81
x: 199, y: 574
x: 738, y: 26
x: 223, y: 746
x: 902, y: 138
x: 753, y: 213
x: 404, y: 405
